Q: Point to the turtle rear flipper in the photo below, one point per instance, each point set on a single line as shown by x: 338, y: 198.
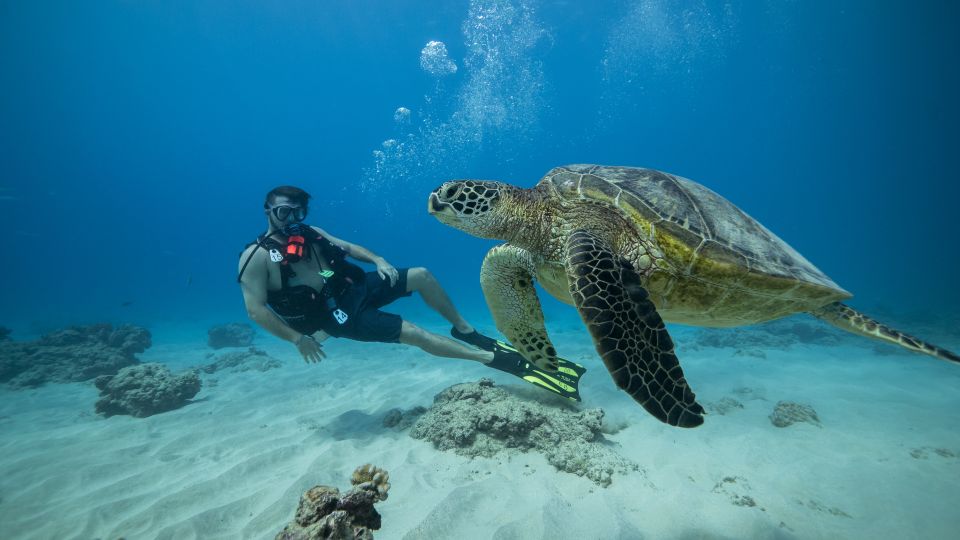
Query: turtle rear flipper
x: 846, y: 318
x: 628, y: 332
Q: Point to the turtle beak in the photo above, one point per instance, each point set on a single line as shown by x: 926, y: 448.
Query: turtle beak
x: 435, y: 206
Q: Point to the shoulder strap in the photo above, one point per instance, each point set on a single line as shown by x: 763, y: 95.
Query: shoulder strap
x: 259, y: 243
x: 264, y: 242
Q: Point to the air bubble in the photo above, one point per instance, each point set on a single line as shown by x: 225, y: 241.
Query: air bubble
x: 435, y: 60
x: 401, y: 115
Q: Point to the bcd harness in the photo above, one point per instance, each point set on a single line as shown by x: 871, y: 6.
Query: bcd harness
x: 302, y: 244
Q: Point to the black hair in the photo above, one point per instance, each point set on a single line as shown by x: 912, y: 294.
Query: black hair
x: 295, y: 194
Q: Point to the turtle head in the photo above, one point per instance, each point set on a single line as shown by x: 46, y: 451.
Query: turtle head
x: 473, y: 206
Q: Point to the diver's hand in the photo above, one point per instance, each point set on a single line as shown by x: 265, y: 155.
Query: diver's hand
x: 311, y: 350
x: 387, y: 271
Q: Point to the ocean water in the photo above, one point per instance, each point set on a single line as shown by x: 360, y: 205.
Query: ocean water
x: 138, y: 139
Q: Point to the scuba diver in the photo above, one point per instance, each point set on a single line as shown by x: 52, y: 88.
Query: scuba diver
x: 297, y: 282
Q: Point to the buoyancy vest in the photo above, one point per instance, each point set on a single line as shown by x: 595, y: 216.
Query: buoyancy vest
x: 293, y: 302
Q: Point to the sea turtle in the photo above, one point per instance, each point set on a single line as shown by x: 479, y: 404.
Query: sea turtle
x: 632, y: 248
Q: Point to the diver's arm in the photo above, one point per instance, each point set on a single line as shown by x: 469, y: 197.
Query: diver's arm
x: 384, y: 269
x: 359, y: 253
x: 254, y: 287
x: 269, y: 321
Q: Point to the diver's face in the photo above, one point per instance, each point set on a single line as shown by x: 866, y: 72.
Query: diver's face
x: 283, y: 212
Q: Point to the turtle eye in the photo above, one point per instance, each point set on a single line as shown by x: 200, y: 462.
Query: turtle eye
x: 450, y: 192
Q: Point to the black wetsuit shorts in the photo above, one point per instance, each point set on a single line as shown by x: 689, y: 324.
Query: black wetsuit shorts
x: 362, y: 304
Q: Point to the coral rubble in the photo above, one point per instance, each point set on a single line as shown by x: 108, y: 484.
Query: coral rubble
x: 724, y: 406
x: 324, y: 513
x: 400, y: 419
x: 230, y: 335
x: 786, y: 413
x: 778, y: 334
x: 145, y: 390
x: 479, y: 419
x: 77, y: 353
x: 252, y: 359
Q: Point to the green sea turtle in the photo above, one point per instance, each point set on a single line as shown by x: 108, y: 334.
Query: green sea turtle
x: 632, y: 248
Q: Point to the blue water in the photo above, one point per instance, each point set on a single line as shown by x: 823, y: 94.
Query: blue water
x: 138, y: 138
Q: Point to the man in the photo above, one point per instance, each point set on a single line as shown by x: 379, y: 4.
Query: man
x: 296, y: 282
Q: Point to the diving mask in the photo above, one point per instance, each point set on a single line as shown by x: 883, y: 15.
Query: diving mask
x: 284, y: 211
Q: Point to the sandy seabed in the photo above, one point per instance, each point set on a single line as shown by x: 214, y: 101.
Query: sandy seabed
x: 884, y: 463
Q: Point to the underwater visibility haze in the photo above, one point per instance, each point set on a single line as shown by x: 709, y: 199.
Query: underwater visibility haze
x: 142, y: 397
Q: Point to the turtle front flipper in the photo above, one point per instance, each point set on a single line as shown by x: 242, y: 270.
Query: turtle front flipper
x: 627, y: 331
x: 507, y: 281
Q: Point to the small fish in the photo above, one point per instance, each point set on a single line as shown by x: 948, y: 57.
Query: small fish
x: 189, y: 280
x: 127, y: 303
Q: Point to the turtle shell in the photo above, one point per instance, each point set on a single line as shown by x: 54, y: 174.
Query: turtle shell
x: 706, y: 226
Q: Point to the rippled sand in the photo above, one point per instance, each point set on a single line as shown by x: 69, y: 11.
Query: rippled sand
x: 883, y: 463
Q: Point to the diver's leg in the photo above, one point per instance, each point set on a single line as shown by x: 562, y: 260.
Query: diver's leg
x: 421, y: 280
x: 411, y: 334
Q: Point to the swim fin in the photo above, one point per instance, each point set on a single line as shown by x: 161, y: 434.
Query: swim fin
x: 475, y: 338
x: 564, y: 381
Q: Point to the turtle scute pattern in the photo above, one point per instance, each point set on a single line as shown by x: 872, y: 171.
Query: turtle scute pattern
x: 475, y: 197
x: 695, y: 217
x: 628, y: 332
